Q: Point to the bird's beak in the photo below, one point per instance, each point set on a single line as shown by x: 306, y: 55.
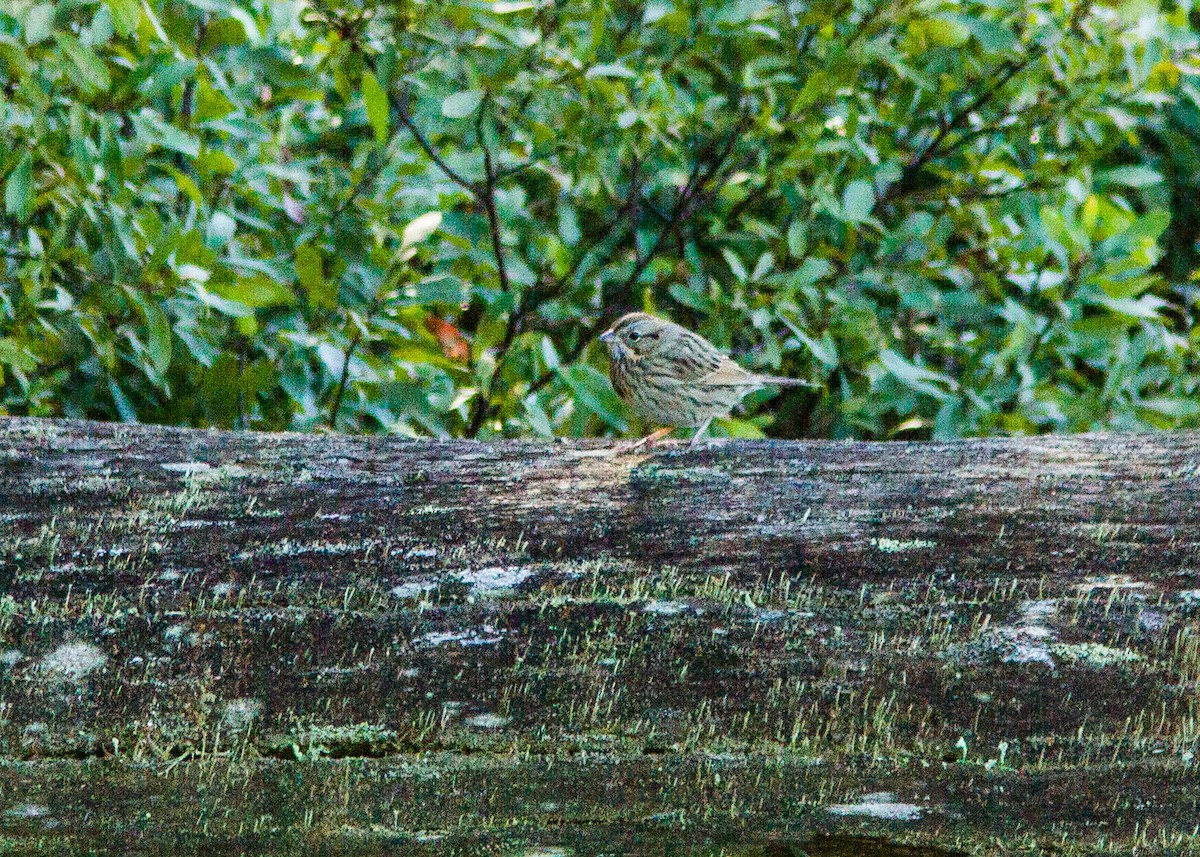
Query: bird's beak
x: 610, y: 339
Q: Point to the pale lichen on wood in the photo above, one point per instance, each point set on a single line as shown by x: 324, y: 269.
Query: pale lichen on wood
x: 497, y: 646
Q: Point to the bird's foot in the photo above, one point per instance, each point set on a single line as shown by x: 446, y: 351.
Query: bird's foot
x: 648, y: 441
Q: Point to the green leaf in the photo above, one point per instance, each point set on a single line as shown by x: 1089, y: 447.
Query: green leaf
x: 151, y: 128
x: 215, y: 161
x: 858, y: 201
x: 993, y: 36
x: 536, y: 414
x: 764, y: 265
x: 568, y: 225
x: 1146, y: 307
x: 437, y: 289
x: 608, y: 70
x: 797, y: 239
x: 947, y: 32
x: 158, y: 329
x: 745, y: 429
x: 158, y: 341
x: 507, y: 7
x: 376, y: 102
x: 221, y: 228
x: 231, y: 308
x: 1127, y: 287
x: 93, y: 74
x: 422, y: 353
x: 594, y: 393
x: 311, y: 275
x: 462, y: 104
x: 125, y: 409
x: 224, y: 32
x: 1150, y: 225
x: 18, y: 189
x: 257, y: 291
x: 1174, y: 407
x: 916, y: 377
x: 824, y: 350
x: 735, y: 264
x: 690, y: 297
x: 14, y: 355
x: 184, y: 183
x: 811, y: 270
x: 737, y: 12
x: 211, y: 103
x: 1130, y: 176
x: 39, y: 23
x: 14, y: 56
x: 126, y: 15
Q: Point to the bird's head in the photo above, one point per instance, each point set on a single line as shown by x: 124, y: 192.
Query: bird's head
x: 636, y: 335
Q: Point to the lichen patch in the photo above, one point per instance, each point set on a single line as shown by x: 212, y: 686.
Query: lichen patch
x: 882, y: 805
x: 72, y: 661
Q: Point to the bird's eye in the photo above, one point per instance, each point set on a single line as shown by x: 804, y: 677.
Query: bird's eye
x: 634, y: 336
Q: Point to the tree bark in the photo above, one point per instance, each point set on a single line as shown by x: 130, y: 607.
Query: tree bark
x: 982, y: 645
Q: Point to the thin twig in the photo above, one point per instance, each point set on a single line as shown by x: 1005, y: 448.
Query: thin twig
x: 684, y: 205
x: 919, y: 160
x: 482, y: 407
x: 634, y: 212
x: 400, y: 103
x: 367, y: 177
x: 488, y: 199
x: 341, y: 387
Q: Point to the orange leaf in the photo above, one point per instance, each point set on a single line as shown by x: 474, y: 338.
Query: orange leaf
x: 454, y: 344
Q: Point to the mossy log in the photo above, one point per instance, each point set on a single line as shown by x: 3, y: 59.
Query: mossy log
x: 366, y: 644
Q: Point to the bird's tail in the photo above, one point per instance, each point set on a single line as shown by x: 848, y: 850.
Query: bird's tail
x: 780, y: 381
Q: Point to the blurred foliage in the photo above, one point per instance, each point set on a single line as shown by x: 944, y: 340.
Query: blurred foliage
x: 957, y: 217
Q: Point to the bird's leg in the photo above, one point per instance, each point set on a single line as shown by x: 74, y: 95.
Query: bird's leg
x: 702, y: 430
x: 648, y: 440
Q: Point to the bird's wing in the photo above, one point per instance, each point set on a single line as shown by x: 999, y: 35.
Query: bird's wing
x: 692, y: 357
x: 729, y: 374
x: 695, y: 360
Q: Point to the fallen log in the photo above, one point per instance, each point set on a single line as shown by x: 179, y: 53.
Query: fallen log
x: 983, y: 645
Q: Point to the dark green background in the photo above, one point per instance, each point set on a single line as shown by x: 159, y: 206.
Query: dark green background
x: 955, y: 218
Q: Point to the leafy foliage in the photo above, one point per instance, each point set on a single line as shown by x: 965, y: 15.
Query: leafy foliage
x: 957, y: 217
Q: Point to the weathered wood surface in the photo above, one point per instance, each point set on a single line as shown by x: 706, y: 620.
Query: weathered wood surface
x: 372, y: 644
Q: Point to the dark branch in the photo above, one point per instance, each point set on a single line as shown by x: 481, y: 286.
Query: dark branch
x: 400, y: 104
x: 483, y: 407
x: 690, y: 195
x: 341, y: 387
x: 684, y: 205
x: 488, y: 198
x: 919, y: 160
x: 367, y: 177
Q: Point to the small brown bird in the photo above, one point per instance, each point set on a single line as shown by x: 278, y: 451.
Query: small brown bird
x: 673, y: 376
